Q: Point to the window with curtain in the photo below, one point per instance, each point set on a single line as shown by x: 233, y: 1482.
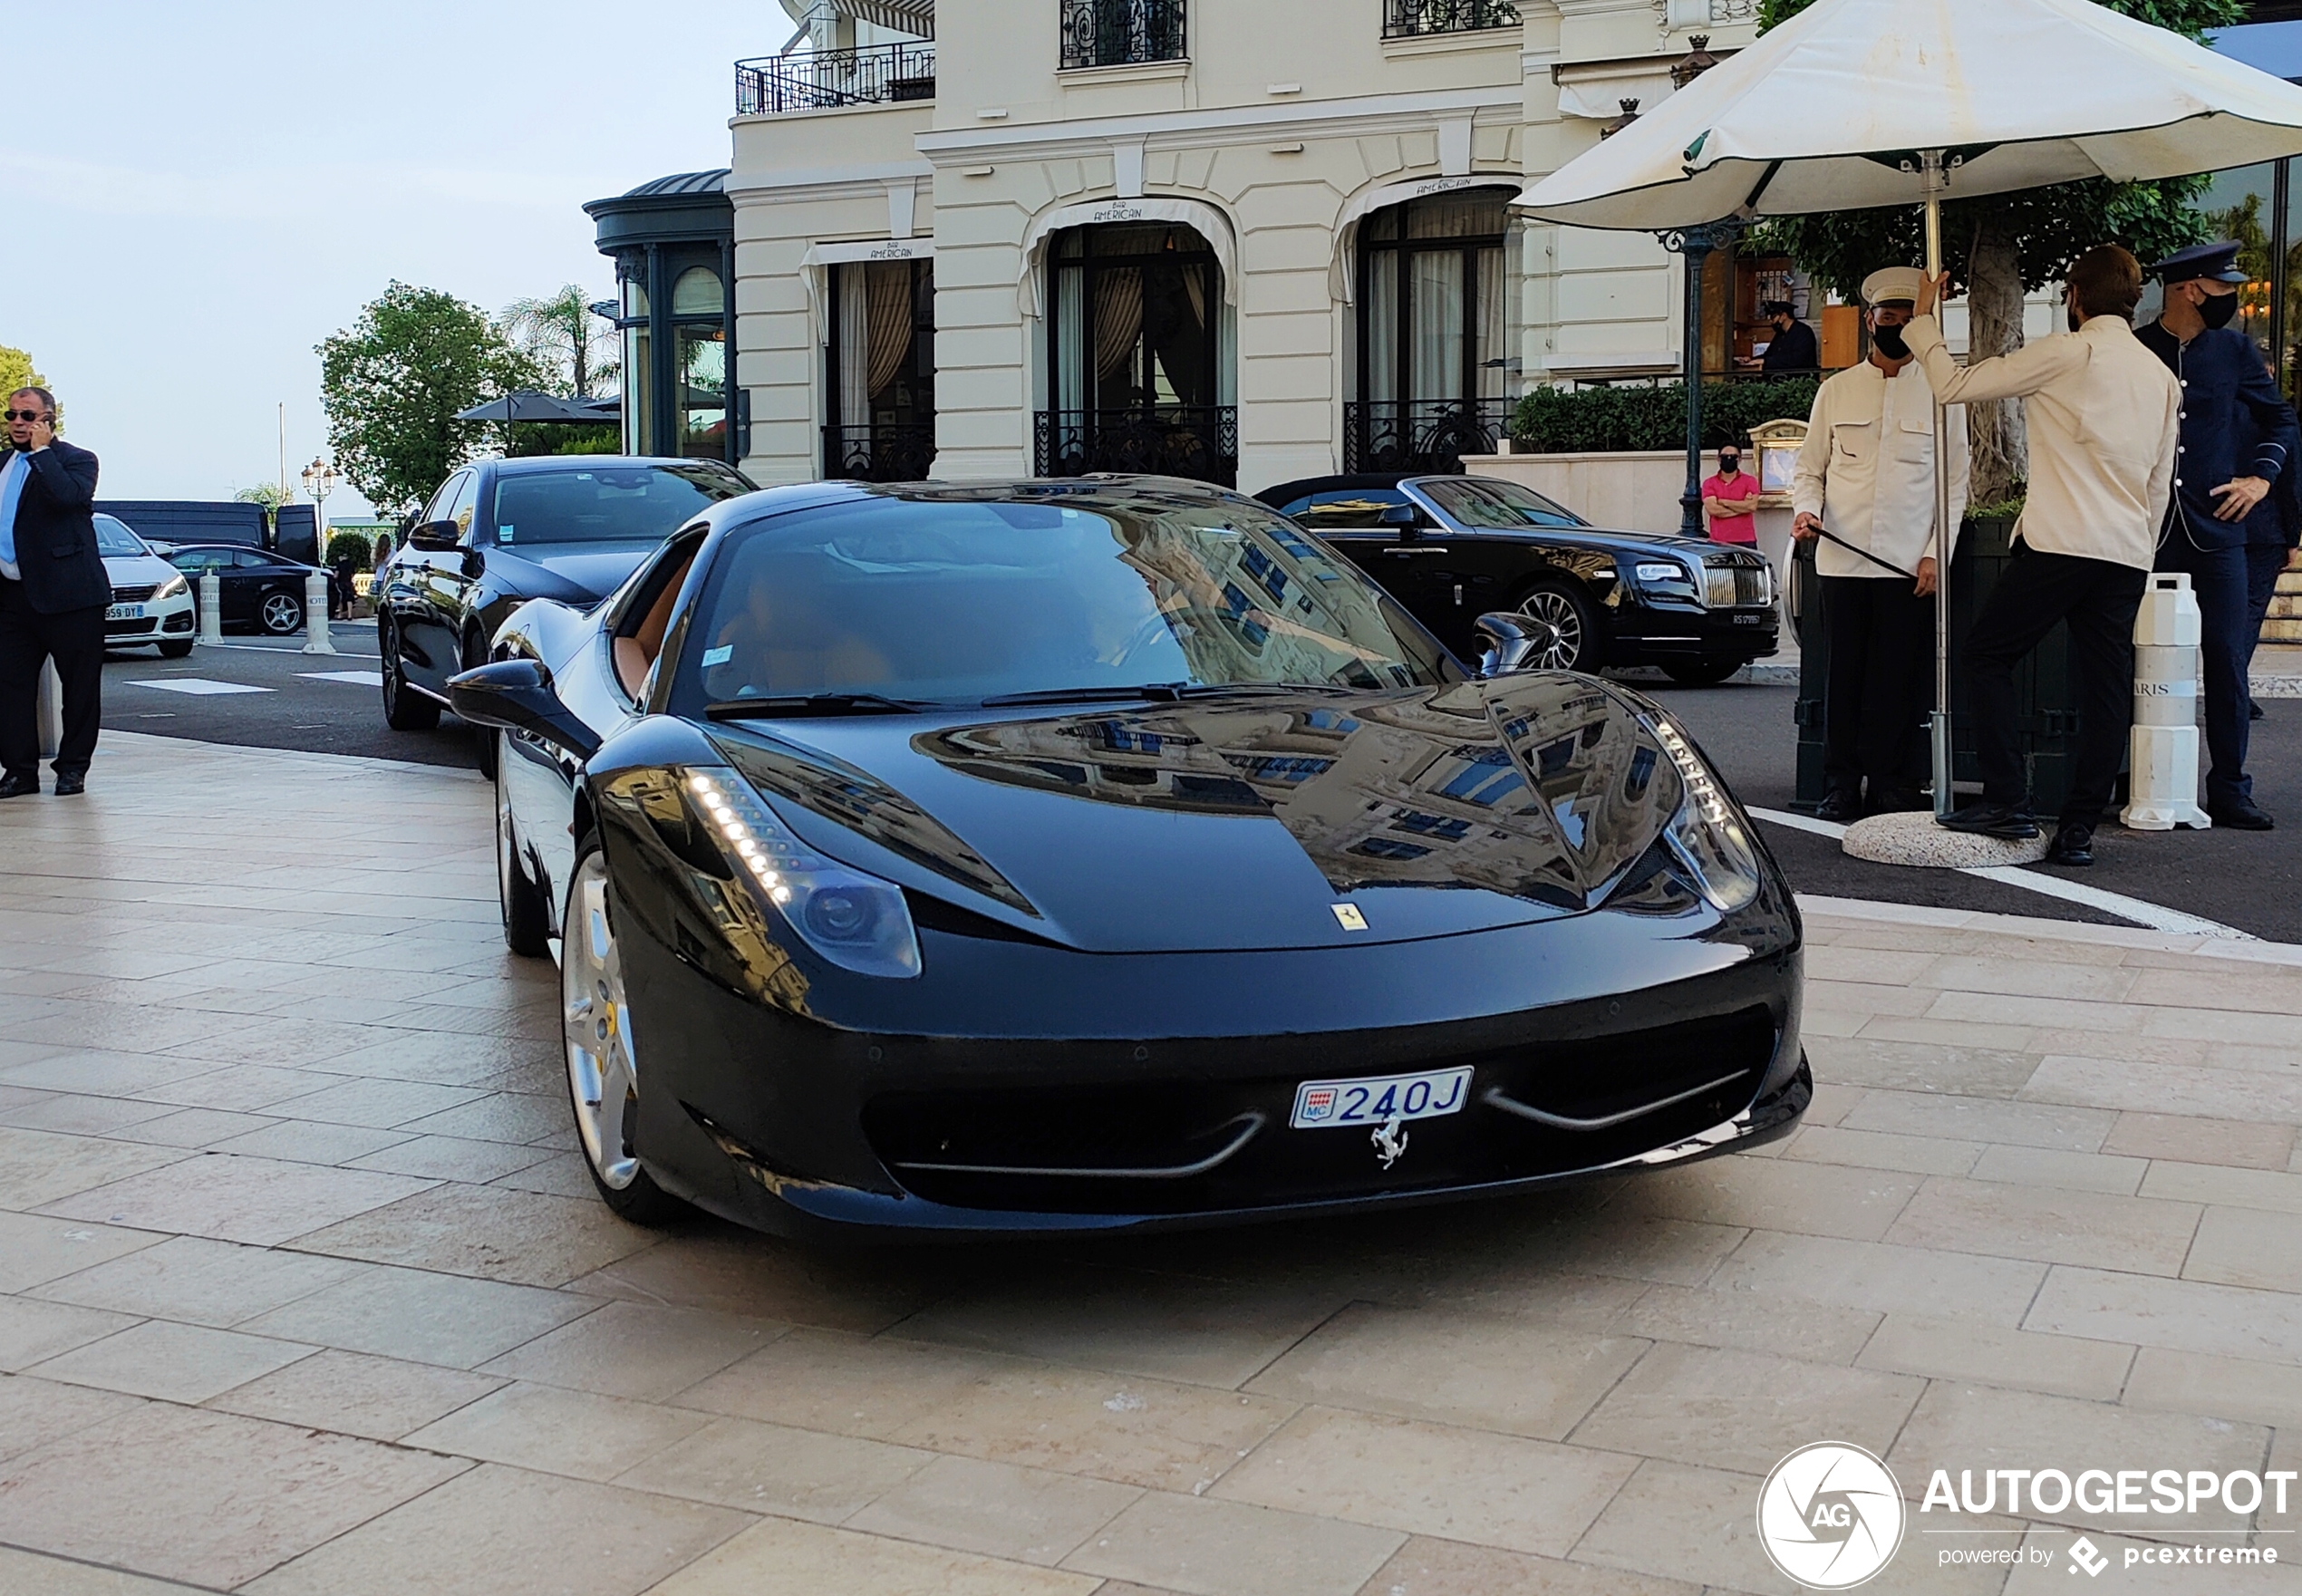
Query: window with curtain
x: 1134, y: 318
x: 883, y: 342
x: 1433, y: 298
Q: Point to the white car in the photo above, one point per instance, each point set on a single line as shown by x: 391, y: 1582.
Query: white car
x: 151, y: 601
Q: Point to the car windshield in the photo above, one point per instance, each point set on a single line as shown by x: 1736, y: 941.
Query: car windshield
x: 961, y: 596
x: 1490, y: 503
x: 113, y: 538
x: 604, y: 503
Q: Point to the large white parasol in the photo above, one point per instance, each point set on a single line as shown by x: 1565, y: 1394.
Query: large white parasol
x: 1858, y: 104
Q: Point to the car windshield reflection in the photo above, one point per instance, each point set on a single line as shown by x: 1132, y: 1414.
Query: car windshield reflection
x: 955, y: 596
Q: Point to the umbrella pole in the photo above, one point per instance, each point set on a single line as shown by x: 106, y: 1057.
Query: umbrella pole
x: 1945, y: 535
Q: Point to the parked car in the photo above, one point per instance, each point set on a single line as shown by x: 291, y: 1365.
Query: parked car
x: 261, y: 591
x: 1027, y: 858
x: 152, y: 602
x: 1452, y: 548
x: 498, y: 532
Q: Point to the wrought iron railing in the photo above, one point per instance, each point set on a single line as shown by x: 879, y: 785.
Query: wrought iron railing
x: 1420, y: 434
x: 1196, y: 440
x: 879, y: 451
x: 821, y: 79
x: 1121, y: 32
x: 1409, y: 19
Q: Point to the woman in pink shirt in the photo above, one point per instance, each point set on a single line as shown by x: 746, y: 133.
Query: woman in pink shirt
x: 1727, y: 494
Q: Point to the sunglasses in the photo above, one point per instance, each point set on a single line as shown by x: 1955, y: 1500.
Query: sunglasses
x: 23, y: 415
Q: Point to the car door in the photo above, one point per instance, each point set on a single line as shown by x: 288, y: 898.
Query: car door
x: 1360, y: 524
x: 432, y: 631
x: 252, y: 577
x: 1492, y: 554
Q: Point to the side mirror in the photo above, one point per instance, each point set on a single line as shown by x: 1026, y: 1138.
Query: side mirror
x: 1406, y: 519
x: 1509, y: 642
x: 515, y: 695
x: 435, y: 536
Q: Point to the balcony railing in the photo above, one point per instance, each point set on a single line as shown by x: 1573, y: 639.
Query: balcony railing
x: 822, y: 79
x: 1420, y: 434
x: 1121, y: 32
x: 1199, y: 441
x: 1410, y: 19
x: 879, y: 451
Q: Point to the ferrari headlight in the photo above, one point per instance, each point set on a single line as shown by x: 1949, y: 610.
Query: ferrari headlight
x: 859, y: 922
x: 175, y: 586
x: 1707, y: 833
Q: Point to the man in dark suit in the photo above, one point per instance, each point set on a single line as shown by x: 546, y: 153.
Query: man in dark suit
x: 53, y: 594
x: 2238, y: 441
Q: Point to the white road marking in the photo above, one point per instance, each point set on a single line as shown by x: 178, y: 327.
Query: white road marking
x: 2155, y: 915
x: 197, y: 686
x: 353, y: 678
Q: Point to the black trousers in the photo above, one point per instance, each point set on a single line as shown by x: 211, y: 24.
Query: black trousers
x: 2225, y: 644
x: 2099, y: 600
x: 2264, y: 563
x: 1881, y: 684
x: 75, y: 640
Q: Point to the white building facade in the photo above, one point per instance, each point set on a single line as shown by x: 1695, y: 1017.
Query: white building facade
x: 1244, y: 240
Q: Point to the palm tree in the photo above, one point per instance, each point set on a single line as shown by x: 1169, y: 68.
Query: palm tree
x: 562, y: 328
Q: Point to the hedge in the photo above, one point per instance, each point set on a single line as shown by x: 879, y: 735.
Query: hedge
x: 1590, y: 421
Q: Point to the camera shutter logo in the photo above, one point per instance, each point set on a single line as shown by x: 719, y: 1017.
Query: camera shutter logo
x: 1831, y: 1515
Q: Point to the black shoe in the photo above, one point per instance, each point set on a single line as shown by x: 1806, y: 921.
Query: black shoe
x: 1987, y: 820
x: 2254, y: 710
x: 2073, y: 843
x: 71, y: 786
x: 1840, y: 808
x: 1898, y: 800
x: 2243, y: 815
x: 18, y: 786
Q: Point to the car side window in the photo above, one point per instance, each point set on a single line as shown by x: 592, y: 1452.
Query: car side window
x: 1344, y: 508
x: 466, y: 502
x: 248, y: 561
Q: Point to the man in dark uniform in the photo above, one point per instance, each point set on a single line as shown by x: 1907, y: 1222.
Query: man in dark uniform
x: 2229, y: 403
x: 1793, y: 347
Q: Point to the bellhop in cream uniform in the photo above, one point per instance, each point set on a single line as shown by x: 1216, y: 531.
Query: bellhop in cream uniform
x: 1867, y: 473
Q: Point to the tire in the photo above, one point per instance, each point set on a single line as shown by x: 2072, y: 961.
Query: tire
x: 487, y: 745
x: 603, y: 1078
x: 280, y: 613
x: 527, y: 915
x: 405, y: 709
x: 1702, y: 673
x: 1573, y: 641
x: 175, y: 651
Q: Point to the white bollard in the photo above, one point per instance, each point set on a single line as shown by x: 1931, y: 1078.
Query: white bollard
x: 2162, y: 751
x: 316, y: 615
x: 51, y: 711
x: 211, y: 607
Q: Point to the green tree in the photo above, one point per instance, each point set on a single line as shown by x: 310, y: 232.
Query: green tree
x: 564, y: 331
x: 394, y: 380
x: 266, y: 494
x: 2000, y: 246
x: 16, y: 370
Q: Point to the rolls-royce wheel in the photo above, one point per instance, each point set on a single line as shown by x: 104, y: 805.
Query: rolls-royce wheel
x: 405, y: 709
x: 1566, y: 635
x: 603, y: 1072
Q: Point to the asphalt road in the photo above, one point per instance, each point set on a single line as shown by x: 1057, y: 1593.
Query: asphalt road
x: 2250, y: 881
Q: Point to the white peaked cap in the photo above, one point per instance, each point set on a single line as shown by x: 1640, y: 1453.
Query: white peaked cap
x: 1894, y: 282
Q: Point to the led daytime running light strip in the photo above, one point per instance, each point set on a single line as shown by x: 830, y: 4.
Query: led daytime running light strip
x: 749, y: 834
x: 1709, y: 802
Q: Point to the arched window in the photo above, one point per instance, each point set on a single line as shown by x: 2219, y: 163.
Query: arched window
x: 1433, y: 330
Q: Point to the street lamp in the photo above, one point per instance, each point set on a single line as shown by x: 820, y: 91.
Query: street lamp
x: 319, y: 481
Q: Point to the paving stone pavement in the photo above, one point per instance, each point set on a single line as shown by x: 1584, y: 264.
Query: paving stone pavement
x: 301, y: 1291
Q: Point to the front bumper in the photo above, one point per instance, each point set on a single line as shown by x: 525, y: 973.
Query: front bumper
x: 162, y: 618
x: 1655, y: 634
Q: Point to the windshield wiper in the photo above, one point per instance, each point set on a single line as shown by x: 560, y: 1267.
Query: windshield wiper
x: 797, y: 704
x: 1161, y: 692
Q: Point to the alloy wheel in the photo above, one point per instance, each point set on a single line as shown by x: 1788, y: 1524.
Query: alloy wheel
x: 281, y: 613
x: 1557, y: 626
x: 601, y: 1077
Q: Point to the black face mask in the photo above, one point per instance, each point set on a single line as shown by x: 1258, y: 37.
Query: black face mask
x: 2217, y: 310
x: 1888, y: 339
x: 1729, y: 465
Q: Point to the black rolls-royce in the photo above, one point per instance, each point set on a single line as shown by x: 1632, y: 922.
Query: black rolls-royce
x: 1454, y: 548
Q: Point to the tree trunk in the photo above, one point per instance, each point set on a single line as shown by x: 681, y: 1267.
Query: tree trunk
x: 2000, y: 451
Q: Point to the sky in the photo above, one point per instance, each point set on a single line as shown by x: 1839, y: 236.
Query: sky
x: 193, y: 197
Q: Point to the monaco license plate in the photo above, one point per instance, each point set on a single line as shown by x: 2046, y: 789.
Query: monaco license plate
x: 125, y: 612
x: 1376, y: 1099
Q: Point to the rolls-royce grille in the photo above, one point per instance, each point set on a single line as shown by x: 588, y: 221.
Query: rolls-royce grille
x: 1736, y: 586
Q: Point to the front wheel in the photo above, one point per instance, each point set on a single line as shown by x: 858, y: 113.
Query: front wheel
x: 603, y: 1072
x: 282, y: 614
x: 405, y: 709
x: 1702, y: 673
x: 1565, y: 633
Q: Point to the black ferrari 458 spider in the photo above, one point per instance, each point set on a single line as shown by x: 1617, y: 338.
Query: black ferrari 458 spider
x: 1101, y: 853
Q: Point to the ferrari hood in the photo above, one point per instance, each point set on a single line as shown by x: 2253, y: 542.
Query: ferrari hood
x: 1266, y: 821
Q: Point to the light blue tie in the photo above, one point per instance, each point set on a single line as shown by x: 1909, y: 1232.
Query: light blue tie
x: 12, y: 479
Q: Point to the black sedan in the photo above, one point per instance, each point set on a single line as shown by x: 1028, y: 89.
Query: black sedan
x: 1452, y: 548
x: 259, y: 591
x: 1024, y: 858
x: 500, y: 532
